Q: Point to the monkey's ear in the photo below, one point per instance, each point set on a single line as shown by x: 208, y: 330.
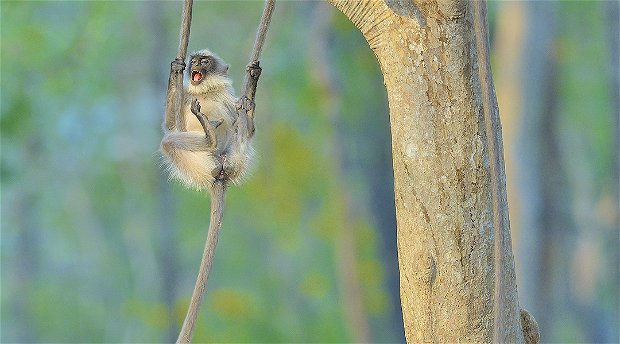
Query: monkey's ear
x: 226, y: 68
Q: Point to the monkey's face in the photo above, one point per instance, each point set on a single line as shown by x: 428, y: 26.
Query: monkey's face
x: 202, y: 66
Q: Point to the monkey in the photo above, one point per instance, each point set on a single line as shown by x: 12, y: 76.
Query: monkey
x: 207, y: 145
x: 222, y: 151
x: 202, y: 143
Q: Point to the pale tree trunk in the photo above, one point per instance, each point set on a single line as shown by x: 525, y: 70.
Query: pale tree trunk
x: 442, y: 170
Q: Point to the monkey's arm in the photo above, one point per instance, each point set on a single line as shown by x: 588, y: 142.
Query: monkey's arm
x: 193, y: 141
x: 174, y: 118
x: 207, y: 125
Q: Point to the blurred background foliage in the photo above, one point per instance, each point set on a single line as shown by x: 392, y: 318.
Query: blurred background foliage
x: 98, y: 246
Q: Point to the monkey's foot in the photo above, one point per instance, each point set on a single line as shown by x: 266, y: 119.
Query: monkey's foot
x: 246, y: 104
x: 218, y: 171
x: 227, y: 168
x: 223, y: 170
x: 244, y: 123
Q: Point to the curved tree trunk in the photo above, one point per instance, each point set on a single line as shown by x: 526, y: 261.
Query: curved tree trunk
x: 442, y: 174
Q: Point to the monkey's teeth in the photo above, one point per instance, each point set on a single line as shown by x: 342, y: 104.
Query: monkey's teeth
x: 196, y: 76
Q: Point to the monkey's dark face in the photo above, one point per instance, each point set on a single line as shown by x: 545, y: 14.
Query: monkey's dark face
x: 203, y: 66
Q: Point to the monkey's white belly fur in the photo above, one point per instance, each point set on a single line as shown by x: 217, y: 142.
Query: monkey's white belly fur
x: 193, y: 169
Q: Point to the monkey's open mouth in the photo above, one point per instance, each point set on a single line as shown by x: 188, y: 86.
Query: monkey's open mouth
x: 196, y: 76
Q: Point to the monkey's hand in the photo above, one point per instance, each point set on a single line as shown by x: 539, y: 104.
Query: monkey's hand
x: 177, y: 66
x: 195, y: 107
x: 254, y: 69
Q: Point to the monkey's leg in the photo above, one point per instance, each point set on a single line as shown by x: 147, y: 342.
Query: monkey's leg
x: 192, y: 141
x: 174, y: 98
x: 191, y: 154
x: 236, y: 163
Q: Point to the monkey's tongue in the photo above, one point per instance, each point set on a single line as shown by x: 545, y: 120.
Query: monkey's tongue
x: 196, y: 76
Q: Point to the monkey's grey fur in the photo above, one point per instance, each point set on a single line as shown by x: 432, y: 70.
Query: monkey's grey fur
x: 202, y: 144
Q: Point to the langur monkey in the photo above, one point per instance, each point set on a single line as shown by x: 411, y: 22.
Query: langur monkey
x: 207, y: 145
x: 203, y: 144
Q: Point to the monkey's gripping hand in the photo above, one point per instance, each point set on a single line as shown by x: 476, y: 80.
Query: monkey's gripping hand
x: 177, y: 66
x: 207, y: 125
x: 246, y: 102
x: 254, y: 70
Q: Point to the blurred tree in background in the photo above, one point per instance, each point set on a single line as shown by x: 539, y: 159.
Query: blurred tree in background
x: 98, y: 246
x: 557, y: 66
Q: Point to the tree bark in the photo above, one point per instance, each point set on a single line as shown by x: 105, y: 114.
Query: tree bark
x: 442, y: 173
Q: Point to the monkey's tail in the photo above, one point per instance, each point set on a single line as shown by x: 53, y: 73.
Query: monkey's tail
x: 217, y: 211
